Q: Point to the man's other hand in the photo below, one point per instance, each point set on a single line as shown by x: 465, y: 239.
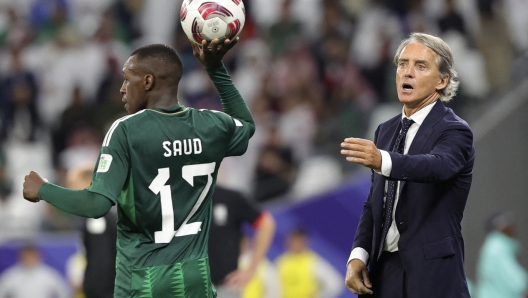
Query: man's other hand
x: 357, y: 278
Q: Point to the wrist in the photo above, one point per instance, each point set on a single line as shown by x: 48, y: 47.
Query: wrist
x: 214, y: 66
x: 42, y: 191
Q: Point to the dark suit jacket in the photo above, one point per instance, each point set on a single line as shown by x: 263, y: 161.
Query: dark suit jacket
x: 436, y: 177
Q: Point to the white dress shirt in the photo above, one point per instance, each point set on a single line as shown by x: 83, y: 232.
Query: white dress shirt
x: 393, y: 235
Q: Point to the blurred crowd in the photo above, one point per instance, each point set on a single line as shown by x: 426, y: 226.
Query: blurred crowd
x: 312, y: 71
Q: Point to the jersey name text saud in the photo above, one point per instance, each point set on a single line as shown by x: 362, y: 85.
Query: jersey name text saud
x: 182, y: 147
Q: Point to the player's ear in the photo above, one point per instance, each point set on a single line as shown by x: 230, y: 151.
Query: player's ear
x: 148, y: 82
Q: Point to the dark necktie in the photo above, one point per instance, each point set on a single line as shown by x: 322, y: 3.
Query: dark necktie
x: 399, y: 145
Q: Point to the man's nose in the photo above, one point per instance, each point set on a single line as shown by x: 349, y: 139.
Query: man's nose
x: 409, y: 72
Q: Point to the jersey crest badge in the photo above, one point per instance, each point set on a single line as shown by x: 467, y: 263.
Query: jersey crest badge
x: 104, y: 163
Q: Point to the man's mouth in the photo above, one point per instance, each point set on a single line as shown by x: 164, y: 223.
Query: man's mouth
x: 407, y: 87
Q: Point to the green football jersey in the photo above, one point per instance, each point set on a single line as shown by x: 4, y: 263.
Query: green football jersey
x: 160, y: 167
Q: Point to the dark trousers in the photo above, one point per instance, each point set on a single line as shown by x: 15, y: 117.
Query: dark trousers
x: 388, y: 278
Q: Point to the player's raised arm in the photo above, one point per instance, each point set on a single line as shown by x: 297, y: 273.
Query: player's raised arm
x: 210, y: 55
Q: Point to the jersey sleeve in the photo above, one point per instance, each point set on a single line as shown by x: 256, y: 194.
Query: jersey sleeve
x: 112, y: 168
x: 239, y: 141
x: 234, y: 106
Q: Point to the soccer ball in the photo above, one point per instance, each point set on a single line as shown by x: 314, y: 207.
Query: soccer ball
x: 210, y: 19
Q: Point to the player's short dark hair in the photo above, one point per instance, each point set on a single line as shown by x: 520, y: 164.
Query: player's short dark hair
x: 299, y: 232
x: 165, y: 54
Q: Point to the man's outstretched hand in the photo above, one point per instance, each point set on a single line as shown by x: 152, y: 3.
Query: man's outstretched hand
x: 211, y: 54
x: 363, y: 152
x: 32, y: 184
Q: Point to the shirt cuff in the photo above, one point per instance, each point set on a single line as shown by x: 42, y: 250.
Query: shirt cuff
x: 360, y: 254
x: 386, y: 163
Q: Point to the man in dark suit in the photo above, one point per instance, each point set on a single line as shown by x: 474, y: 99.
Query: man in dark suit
x: 422, y: 161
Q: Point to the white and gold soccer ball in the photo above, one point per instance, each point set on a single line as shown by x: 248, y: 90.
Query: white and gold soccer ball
x: 210, y: 19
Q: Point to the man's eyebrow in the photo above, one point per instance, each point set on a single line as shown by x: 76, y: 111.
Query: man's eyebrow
x: 416, y: 61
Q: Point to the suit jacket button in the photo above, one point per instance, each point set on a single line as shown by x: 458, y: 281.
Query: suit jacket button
x: 401, y: 223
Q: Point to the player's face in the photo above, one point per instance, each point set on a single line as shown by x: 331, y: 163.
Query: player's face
x: 133, y: 88
x: 417, y: 76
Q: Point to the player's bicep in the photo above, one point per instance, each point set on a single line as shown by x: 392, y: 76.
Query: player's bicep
x: 112, y: 168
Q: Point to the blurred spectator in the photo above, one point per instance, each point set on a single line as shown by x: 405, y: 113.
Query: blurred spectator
x: 48, y: 17
x: 82, y: 147
x: 471, y: 69
x: 16, y: 34
x: 110, y: 106
x: 87, y: 15
x: 305, y: 274
x: 265, y: 283
x: 416, y: 19
x: 198, y: 93
x: 230, y: 211
x: 156, y: 19
x: 31, y: 278
x: 298, y: 91
x: 61, y: 68
x: 253, y: 61
x: 452, y: 20
x: 499, y: 273
x: 99, y: 239
x: 284, y: 30
x: 75, y: 139
x: 105, y: 44
x: 5, y: 181
x: 495, y: 43
x: 275, y: 170
x: 127, y: 15
x: 368, y: 49
x: 350, y: 97
x: 18, y: 102
x: 240, y: 172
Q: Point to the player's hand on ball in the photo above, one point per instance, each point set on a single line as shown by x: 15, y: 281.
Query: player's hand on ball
x: 211, y: 53
x: 32, y: 184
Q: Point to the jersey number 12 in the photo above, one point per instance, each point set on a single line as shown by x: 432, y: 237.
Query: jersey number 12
x: 167, y: 212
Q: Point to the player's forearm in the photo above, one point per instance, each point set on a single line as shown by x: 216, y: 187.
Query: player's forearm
x: 78, y: 202
x: 232, y: 102
x: 263, y: 238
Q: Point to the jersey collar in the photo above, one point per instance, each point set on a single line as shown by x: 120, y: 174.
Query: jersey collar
x: 172, y: 110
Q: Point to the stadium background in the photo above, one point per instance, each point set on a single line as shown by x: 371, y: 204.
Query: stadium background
x: 312, y: 71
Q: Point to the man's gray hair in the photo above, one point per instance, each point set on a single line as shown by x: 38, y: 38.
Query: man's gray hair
x: 444, y: 60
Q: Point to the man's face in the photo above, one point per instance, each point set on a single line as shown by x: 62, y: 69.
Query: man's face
x: 417, y: 76
x: 133, y: 88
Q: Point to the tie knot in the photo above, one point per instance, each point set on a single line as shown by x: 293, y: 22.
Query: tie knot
x: 406, y: 123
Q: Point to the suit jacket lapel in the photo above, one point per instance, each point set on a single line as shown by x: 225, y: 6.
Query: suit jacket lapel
x: 425, y: 131
x: 387, y: 140
x: 427, y: 127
